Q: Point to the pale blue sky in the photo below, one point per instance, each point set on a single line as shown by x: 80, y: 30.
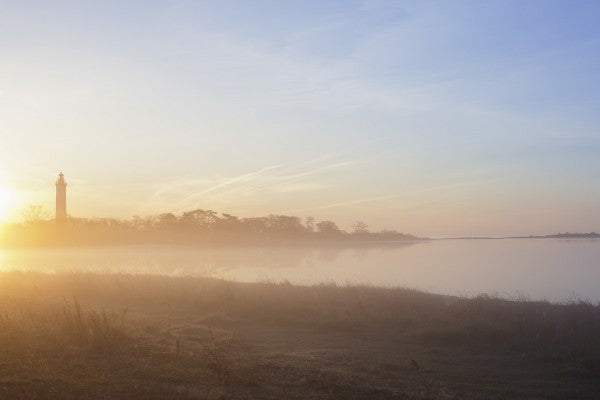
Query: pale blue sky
x: 434, y: 118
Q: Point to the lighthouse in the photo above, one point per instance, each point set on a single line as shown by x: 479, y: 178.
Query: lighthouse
x: 61, y: 199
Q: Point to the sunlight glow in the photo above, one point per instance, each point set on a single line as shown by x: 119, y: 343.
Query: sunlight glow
x: 6, y: 203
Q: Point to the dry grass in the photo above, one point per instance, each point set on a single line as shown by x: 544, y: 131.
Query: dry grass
x: 120, y: 336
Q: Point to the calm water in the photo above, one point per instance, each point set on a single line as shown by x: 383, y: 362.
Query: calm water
x: 555, y: 270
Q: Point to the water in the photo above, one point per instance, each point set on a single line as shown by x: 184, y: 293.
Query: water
x: 555, y: 270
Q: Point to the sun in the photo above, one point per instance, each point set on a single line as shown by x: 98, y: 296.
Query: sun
x: 6, y: 203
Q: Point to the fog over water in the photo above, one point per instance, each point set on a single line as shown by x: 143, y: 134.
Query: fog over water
x: 552, y: 269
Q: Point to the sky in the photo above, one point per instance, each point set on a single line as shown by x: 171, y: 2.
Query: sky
x: 436, y: 118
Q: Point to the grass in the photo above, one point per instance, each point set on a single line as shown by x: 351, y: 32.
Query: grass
x: 86, y: 336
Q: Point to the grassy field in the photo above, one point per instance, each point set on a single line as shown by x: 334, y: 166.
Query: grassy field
x: 86, y: 336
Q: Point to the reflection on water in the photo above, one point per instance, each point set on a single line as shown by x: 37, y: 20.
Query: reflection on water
x: 550, y: 269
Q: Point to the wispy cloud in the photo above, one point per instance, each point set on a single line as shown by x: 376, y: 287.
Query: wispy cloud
x: 228, y: 182
x: 300, y: 187
x: 371, y: 199
x: 278, y: 178
x: 348, y: 203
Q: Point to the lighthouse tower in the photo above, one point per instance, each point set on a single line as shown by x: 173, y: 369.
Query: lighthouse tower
x: 61, y: 200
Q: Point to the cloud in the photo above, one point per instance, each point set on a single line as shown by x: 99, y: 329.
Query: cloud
x: 300, y: 187
x: 278, y: 178
x: 371, y: 199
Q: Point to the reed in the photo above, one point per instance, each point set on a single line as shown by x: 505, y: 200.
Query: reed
x: 123, y: 336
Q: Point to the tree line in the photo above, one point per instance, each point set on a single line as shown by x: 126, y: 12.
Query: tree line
x: 190, y: 226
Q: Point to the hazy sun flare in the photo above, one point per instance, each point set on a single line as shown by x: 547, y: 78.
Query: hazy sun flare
x: 6, y: 202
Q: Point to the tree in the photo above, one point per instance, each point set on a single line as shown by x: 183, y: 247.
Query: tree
x: 284, y: 224
x: 34, y: 214
x: 255, y: 224
x: 137, y: 222
x: 310, y: 223
x: 199, y: 220
x: 328, y: 227
x: 360, y: 227
x: 166, y: 221
x: 228, y: 222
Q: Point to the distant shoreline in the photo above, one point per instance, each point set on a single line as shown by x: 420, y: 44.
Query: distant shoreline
x: 567, y: 235
x: 284, y: 242
x: 280, y: 243
x: 222, y: 244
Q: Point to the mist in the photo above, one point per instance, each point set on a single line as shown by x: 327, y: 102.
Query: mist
x: 324, y: 200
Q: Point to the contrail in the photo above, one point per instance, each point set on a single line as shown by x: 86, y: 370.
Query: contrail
x: 277, y: 180
x: 349, y: 202
x: 226, y: 183
x: 379, y: 198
